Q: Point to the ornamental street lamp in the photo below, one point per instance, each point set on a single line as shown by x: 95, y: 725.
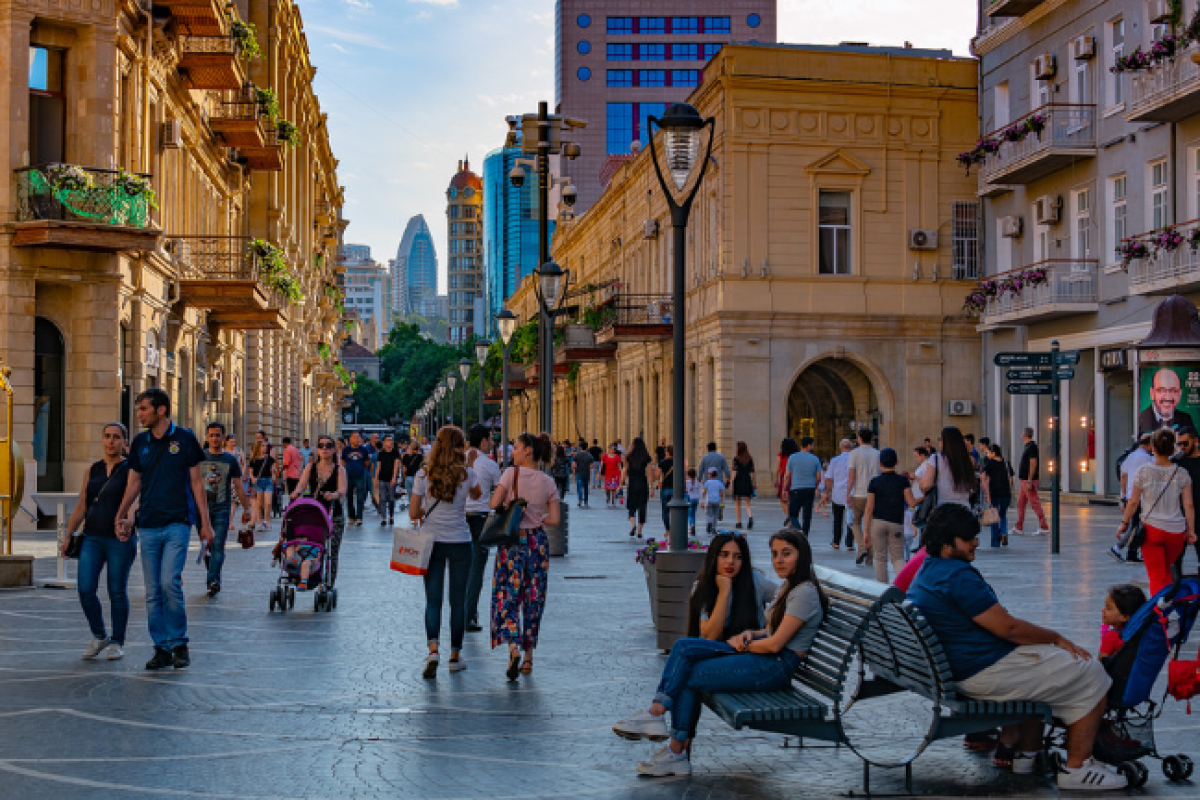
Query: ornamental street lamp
x: 506, y: 322
x: 482, y: 346
x: 464, y: 369
x: 548, y: 287
x: 451, y: 381
x: 441, y: 393
x: 682, y: 127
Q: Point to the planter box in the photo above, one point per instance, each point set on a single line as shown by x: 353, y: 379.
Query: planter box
x: 556, y: 535
x: 669, y: 581
x: 16, y: 572
x: 578, y: 336
x: 652, y: 587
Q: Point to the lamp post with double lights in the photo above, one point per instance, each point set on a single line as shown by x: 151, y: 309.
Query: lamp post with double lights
x: 482, y: 346
x: 506, y: 322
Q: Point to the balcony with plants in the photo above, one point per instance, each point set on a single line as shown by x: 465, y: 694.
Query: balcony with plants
x: 1165, y: 79
x: 1042, y: 142
x: 240, y: 118
x: 71, y: 207
x: 1164, y: 261
x: 636, y: 318
x: 217, y: 62
x: 245, y: 283
x: 1052, y: 288
x: 198, y: 17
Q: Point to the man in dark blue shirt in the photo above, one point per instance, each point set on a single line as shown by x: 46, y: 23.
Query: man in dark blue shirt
x: 997, y: 657
x: 356, y: 458
x: 164, y: 470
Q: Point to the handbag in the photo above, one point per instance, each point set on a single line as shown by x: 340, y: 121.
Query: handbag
x: 928, y: 502
x: 75, y: 544
x: 1137, y: 531
x: 991, y: 516
x: 246, y: 538
x: 504, y: 528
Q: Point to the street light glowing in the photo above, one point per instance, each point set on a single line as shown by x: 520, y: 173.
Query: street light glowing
x: 482, y: 346
x: 464, y: 367
x: 506, y: 321
x: 452, y: 380
x: 550, y: 279
x: 681, y: 126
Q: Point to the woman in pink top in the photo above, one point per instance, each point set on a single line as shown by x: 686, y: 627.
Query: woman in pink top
x: 519, y: 581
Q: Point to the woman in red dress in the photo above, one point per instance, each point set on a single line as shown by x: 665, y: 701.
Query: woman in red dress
x: 610, y: 464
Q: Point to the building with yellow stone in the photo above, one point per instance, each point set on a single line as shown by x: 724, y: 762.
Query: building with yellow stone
x: 171, y: 218
x: 829, y: 252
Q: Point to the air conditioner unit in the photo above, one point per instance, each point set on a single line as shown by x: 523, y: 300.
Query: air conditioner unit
x: 650, y: 229
x: 180, y: 250
x: 171, y: 135
x: 1159, y: 10
x: 1010, y: 226
x: 960, y: 408
x: 1083, y: 47
x: 1044, y: 67
x: 922, y: 240
x: 1049, y: 209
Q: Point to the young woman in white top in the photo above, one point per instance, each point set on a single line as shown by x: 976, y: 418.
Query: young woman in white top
x: 521, y: 572
x: 1163, y: 490
x: 952, y: 470
x: 439, y: 503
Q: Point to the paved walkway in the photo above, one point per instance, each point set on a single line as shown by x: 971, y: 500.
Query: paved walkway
x: 310, y: 705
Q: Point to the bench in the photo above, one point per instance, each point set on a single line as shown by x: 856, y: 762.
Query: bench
x: 872, y: 643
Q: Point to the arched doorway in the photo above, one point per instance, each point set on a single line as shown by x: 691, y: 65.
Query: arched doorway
x: 49, y: 395
x: 827, y: 396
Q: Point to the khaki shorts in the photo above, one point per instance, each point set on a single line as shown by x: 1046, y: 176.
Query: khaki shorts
x: 1047, y: 674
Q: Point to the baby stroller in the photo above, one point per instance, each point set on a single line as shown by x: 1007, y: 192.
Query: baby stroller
x: 1152, y: 637
x: 306, y: 522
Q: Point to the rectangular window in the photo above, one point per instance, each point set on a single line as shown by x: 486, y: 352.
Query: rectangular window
x: 710, y: 50
x: 1081, y: 85
x: 653, y: 77
x: 454, y: 281
x: 620, y: 78
x: 1001, y: 111
x: 689, y: 51
x: 620, y: 52
x: 1116, y: 38
x: 1159, y: 212
x: 684, y: 25
x: 652, y: 25
x: 1120, y: 228
x: 47, y: 106
x: 685, y: 77
x: 652, y: 52
x: 620, y: 24
x: 716, y: 25
x: 1039, y: 90
x: 1083, y: 224
x: 453, y: 212
x: 964, y: 244
x: 833, y: 229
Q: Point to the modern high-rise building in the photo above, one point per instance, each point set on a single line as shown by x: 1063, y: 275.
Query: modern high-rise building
x: 464, y: 202
x: 510, y: 231
x: 368, y: 291
x: 414, y: 272
x: 615, y: 65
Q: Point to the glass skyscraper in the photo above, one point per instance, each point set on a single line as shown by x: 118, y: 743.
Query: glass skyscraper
x: 416, y: 260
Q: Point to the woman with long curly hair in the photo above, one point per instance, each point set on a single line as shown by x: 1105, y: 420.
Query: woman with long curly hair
x: 439, y: 506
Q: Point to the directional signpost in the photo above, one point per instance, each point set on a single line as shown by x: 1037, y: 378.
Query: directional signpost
x: 1037, y: 374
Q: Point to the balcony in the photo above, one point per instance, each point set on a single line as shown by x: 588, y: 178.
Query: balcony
x: 1169, y: 92
x: 1011, y: 8
x: 638, y: 318
x: 533, y: 372
x: 197, y: 17
x: 221, y: 274
x: 211, y: 62
x: 239, y: 124
x: 81, y: 208
x: 1070, y: 288
x: 268, y: 157
x: 1069, y: 135
x: 1165, y: 271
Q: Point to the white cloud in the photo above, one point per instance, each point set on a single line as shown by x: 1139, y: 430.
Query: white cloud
x: 444, y: 3
x: 351, y: 37
x: 338, y: 47
x: 358, y: 3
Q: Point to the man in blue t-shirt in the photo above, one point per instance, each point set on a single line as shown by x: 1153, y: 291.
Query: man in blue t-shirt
x: 996, y: 657
x: 802, y: 478
x: 164, y: 470
x: 356, y: 458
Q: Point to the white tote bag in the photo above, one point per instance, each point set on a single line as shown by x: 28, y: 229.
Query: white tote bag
x: 411, y: 551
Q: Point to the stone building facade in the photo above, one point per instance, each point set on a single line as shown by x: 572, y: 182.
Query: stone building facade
x: 810, y: 307
x: 222, y: 288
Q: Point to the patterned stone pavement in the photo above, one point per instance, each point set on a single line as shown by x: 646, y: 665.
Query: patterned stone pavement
x: 308, y: 705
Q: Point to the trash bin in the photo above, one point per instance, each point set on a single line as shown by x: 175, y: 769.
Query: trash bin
x: 556, y: 535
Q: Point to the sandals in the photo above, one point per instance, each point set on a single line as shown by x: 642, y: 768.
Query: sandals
x: 526, y: 666
x: 514, y: 664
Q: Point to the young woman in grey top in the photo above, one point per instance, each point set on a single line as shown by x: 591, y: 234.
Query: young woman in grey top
x: 750, y: 661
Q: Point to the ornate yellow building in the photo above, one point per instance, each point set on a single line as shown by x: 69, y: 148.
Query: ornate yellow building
x: 171, y: 217
x: 828, y: 256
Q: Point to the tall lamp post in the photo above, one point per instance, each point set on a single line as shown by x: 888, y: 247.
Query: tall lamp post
x: 441, y: 394
x: 482, y: 346
x: 464, y: 369
x: 549, y: 293
x: 506, y: 322
x: 451, y: 382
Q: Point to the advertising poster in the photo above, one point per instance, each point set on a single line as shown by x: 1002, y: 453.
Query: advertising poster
x: 1168, y: 389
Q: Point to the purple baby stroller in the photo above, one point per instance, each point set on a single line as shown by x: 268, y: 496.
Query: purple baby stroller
x: 306, y: 524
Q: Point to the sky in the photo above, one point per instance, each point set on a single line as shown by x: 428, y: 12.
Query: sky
x: 412, y: 86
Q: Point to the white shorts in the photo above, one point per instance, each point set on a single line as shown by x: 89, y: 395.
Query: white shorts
x: 1044, y: 673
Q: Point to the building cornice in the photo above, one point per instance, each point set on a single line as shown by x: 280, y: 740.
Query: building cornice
x: 995, y: 35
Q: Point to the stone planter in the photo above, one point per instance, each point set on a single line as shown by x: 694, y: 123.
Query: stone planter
x: 16, y: 572
x: 578, y: 336
x: 652, y: 587
x: 674, y: 575
x: 557, y: 535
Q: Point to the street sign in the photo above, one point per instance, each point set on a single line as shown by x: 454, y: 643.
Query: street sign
x: 1030, y: 388
x: 1067, y: 357
x: 1065, y: 373
x: 1036, y: 374
x: 1022, y: 359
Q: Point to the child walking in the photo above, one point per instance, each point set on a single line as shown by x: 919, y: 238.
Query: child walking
x: 694, y: 490
x: 714, y: 496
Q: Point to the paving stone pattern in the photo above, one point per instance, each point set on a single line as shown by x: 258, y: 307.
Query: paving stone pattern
x: 332, y: 705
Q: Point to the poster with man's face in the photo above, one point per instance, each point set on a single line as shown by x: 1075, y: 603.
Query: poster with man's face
x: 1168, y: 396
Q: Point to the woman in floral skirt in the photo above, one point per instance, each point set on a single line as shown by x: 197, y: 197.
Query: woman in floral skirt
x: 519, y: 582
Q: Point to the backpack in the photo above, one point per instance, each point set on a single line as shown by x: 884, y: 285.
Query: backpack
x: 1121, y: 460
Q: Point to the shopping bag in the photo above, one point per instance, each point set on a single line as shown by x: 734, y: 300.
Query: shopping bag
x: 411, y: 551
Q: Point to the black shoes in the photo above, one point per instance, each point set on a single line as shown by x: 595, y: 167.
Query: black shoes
x: 473, y: 626
x: 750, y: 524
x: 161, y: 660
x: 214, y: 589
x: 738, y: 526
x: 180, y: 658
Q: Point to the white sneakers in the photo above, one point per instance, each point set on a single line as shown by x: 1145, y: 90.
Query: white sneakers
x: 115, y: 653
x: 458, y: 664
x: 665, y: 763
x: 642, y: 725
x: 97, y: 647
x: 1092, y: 776
x: 431, y: 665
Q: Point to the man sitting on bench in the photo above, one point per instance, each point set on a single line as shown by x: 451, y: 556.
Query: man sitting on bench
x: 996, y: 657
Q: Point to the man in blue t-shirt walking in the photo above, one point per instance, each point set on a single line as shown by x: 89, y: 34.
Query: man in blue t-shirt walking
x: 802, y: 478
x: 164, y: 471
x: 356, y: 458
x: 996, y: 657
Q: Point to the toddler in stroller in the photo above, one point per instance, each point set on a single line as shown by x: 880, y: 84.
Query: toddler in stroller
x: 303, y: 555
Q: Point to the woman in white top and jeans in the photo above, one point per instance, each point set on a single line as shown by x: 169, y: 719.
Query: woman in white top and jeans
x: 952, y: 470
x: 521, y: 573
x: 439, y: 504
x: 1163, y: 490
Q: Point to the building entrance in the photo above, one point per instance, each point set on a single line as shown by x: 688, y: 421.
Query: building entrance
x: 826, y: 397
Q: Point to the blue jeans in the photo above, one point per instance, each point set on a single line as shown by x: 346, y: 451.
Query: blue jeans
x: 479, y: 559
x: 696, y: 666
x: 357, y: 499
x: 581, y: 488
x: 1000, y: 529
x: 216, y: 549
x: 800, y: 503
x: 693, y: 505
x: 164, y: 552
x: 456, y: 555
x: 94, y: 554
x: 665, y: 494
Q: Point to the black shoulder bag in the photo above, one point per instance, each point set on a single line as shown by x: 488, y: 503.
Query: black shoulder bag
x: 928, y: 501
x: 504, y: 527
x: 76, y: 542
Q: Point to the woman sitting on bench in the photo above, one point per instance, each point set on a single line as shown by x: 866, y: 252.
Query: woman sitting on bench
x: 750, y: 661
x: 729, y: 595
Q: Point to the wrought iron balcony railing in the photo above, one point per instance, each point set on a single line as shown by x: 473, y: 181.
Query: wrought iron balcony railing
x: 83, y: 194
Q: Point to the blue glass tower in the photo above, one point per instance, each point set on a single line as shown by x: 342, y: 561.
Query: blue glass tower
x: 416, y: 263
